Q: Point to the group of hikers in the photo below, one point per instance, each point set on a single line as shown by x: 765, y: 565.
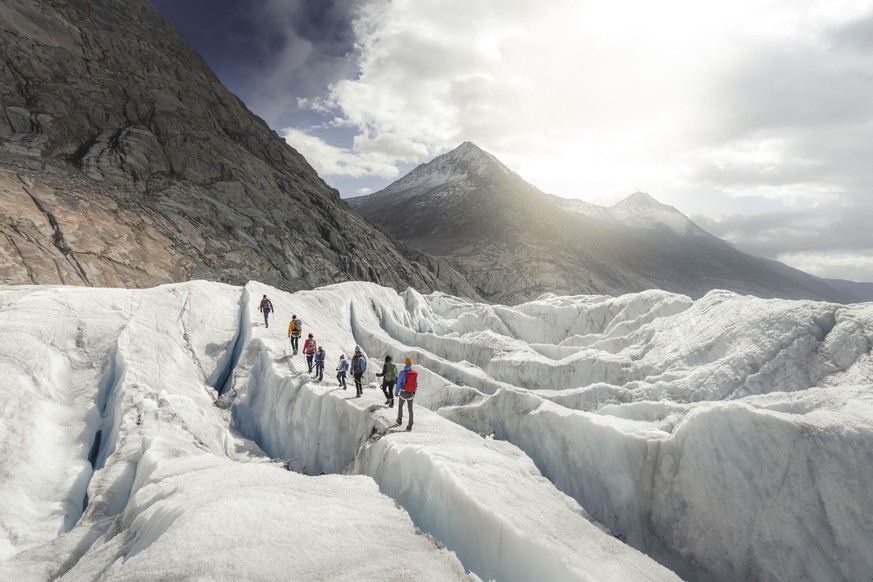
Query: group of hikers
x: 402, y: 384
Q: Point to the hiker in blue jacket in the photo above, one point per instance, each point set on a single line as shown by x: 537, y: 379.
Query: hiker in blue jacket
x: 266, y: 306
x: 407, y: 384
x: 359, y: 366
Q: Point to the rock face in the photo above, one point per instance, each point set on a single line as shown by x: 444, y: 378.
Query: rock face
x: 126, y: 162
x: 514, y: 242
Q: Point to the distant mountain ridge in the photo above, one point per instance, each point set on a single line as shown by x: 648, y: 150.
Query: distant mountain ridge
x: 639, y: 210
x: 125, y: 162
x: 514, y: 242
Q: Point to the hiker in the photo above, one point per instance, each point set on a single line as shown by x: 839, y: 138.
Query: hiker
x: 295, y: 328
x: 341, y: 370
x: 319, y: 364
x: 309, y: 348
x: 389, y: 376
x: 407, y: 384
x: 266, y: 306
x: 359, y: 366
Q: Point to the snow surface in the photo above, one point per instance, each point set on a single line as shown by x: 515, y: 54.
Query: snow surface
x: 727, y: 438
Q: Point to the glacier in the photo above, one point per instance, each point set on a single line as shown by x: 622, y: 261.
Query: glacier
x: 166, y: 433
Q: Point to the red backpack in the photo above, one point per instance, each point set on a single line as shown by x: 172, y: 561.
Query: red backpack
x: 411, y: 381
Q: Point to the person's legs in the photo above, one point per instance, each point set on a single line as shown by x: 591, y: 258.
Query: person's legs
x: 409, y: 403
x: 294, y: 340
x: 309, y: 362
x: 319, y: 369
x: 266, y: 316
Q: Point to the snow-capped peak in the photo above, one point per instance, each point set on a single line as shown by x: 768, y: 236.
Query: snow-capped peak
x: 639, y: 200
x: 467, y: 164
x: 642, y: 211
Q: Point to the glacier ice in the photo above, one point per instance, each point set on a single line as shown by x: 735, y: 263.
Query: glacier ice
x: 148, y: 433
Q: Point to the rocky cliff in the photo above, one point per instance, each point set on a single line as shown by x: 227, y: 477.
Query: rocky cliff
x: 124, y: 161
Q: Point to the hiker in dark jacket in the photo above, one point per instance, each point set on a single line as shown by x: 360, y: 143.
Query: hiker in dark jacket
x: 341, y: 370
x: 319, y: 364
x: 359, y: 365
x: 407, y: 384
x: 389, y: 376
x: 266, y: 306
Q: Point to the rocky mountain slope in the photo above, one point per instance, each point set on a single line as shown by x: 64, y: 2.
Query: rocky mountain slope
x: 125, y: 162
x: 514, y: 242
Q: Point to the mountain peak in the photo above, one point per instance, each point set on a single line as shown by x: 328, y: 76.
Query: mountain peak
x: 468, y: 146
x: 641, y: 210
x: 471, y: 155
x: 461, y: 169
x: 639, y: 199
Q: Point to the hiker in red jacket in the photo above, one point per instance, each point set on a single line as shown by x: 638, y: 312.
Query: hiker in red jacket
x: 407, y: 384
x: 309, y: 349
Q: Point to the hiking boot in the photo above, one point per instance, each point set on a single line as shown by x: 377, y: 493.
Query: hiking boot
x: 408, y: 427
x: 390, y: 404
x: 398, y: 422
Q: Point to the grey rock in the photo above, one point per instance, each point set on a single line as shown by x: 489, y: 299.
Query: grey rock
x: 152, y: 171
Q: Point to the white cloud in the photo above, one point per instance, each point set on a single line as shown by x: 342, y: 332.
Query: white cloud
x: 831, y: 265
x: 330, y: 160
x: 630, y: 90
x: 705, y: 105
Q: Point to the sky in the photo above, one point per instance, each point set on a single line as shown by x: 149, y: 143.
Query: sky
x: 753, y: 117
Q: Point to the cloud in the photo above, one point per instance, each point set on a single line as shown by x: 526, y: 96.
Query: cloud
x: 705, y: 105
x: 329, y: 160
x: 830, y: 241
x: 306, y: 46
x: 851, y: 267
x: 658, y: 93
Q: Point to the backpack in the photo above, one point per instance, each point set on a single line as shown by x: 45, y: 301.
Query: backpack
x: 296, y: 326
x: 267, y: 305
x: 390, y: 372
x: 411, y: 381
